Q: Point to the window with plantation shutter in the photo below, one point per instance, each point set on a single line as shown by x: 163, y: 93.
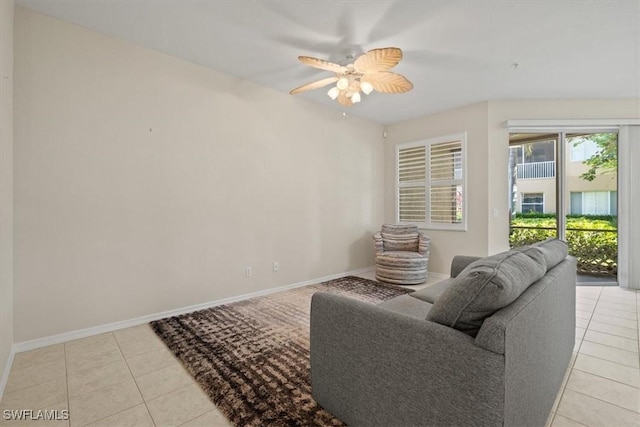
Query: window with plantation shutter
x: 431, y: 183
x: 411, y: 184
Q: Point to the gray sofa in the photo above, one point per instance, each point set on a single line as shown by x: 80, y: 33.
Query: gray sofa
x: 489, y: 346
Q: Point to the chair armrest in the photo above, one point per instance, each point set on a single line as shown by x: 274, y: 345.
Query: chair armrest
x: 372, y: 366
x: 460, y: 262
x: 424, y: 242
x: 378, y: 242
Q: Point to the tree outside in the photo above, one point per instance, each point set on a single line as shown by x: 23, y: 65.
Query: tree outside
x: 605, y: 160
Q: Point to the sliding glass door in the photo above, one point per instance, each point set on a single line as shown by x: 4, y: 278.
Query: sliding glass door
x: 591, y: 176
x: 565, y: 185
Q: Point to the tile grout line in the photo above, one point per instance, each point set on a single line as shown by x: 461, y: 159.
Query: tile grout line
x: 144, y: 401
x: 587, y: 329
x: 585, y: 334
x: 21, y: 388
x: 573, y: 367
x: 569, y: 371
x: 194, y: 382
x: 111, y: 363
x: 156, y: 369
x: 573, y: 363
x: 612, y: 324
x: 618, y: 315
x: 569, y: 418
x: 215, y: 407
x: 188, y: 421
x: 615, y: 335
x: 607, y: 345
x: 171, y: 391
x: 564, y: 388
x: 605, y: 378
x: 603, y: 401
x: 66, y: 380
x: 626, y: 308
x: 638, y: 324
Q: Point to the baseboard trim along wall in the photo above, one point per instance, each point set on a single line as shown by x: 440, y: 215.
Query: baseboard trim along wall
x: 5, y: 374
x: 110, y: 327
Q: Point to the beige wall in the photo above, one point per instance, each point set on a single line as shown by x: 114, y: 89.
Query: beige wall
x: 6, y: 182
x: 500, y: 111
x: 144, y: 183
x: 473, y: 120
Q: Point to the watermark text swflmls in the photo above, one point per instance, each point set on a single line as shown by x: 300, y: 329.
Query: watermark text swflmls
x: 36, y: 415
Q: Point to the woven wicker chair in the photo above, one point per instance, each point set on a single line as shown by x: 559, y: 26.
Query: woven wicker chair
x: 402, y: 254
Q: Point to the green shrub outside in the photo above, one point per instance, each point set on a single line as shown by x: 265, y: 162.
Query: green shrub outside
x: 612, y: 219
x: 596, y: 251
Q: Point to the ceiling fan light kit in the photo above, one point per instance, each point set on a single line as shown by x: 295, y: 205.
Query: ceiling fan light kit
x: 366, y: 87
x: 333, y: 92
x: 369, y: 72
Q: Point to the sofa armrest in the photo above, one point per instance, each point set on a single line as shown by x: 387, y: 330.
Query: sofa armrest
x: 371, y: 366
x: 378, y: 242
x: 460, y: 262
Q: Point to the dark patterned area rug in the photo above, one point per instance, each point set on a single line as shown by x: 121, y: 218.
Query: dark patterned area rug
x: 252, y: 357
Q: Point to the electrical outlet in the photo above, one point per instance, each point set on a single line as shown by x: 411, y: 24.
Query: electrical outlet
x: 276, y: 267
x: 248, y: 271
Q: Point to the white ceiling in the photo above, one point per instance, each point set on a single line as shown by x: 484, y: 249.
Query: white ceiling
x: 455, y: 52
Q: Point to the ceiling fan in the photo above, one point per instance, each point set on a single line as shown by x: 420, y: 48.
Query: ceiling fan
x: 369, y: 72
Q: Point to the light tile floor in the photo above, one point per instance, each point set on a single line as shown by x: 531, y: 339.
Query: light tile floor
x: 124, y: 378
x: 602, y: 385
x: 129, y: 378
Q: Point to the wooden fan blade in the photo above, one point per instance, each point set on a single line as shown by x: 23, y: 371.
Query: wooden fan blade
x: 388, y: 82
x: 322, y: 64
x: 314, y: 85
x: 343, y: 100
x: 378, y: 60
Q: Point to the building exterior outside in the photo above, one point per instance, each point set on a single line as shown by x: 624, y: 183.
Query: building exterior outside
x: 536, y: 180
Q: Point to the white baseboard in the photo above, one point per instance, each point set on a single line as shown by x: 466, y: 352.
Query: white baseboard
x: 5, y: 373
x: 110, y: 327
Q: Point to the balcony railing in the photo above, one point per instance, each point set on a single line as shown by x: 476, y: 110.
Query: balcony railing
x: 536, y: 170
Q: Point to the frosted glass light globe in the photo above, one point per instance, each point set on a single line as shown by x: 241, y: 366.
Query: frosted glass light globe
x: 366, y: 87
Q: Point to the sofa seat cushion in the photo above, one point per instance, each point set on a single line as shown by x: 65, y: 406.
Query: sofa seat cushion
x: 486, y: 286
x: 432, y: 293
x: 409, y: 306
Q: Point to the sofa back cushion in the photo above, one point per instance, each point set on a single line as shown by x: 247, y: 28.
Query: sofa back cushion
x: 486, y: 286
x: 400, y: 238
